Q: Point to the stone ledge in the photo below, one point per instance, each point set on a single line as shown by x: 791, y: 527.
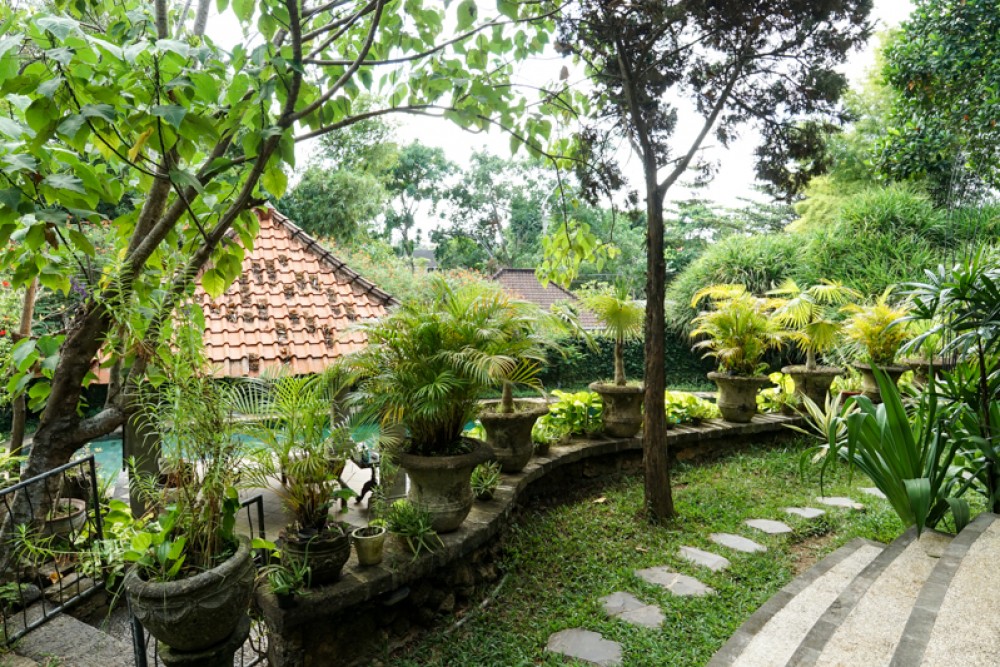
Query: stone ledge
x: 358, y: 585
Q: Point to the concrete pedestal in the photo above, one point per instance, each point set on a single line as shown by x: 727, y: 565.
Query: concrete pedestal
x: 220, y: 655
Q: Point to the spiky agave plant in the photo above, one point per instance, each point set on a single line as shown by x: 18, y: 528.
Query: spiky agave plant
x: 811, y: 314
x: 623, y: 319
x: 738, y: 329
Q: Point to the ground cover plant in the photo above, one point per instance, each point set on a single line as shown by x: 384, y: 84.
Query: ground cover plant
x: 563, y: 558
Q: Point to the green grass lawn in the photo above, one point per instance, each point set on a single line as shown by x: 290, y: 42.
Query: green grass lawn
x: 562, y: 559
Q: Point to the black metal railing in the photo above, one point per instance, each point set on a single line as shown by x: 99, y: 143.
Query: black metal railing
x: 59, y: 563
x: 254, y: 649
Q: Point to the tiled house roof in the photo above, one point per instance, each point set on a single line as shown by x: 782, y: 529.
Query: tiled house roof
x: 523, y: 284
x: 293, y: 305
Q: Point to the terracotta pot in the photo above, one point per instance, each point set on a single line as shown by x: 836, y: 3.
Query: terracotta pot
x: 738, y: 395
x: 815, y: 383
x: 195, y: 613
x: 510, y: 434
x: 324, y: 553
x: 869, y: 387
x: 622, y: 413
x: 441, y: 484
x: 369, y: 544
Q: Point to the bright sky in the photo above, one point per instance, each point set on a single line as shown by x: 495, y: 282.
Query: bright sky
x: 733, y: 180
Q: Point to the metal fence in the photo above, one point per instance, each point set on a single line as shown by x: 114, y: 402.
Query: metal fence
x: 254, y: 650
x: 58, y: 564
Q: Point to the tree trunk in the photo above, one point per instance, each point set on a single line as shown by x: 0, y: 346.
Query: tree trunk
x: 620, y: 363
x: 507, y: 399
x: 656, y: 462
x: 20, y: 402
x: 810, y: 359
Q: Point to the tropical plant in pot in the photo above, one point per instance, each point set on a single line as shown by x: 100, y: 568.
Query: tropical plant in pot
x: 192, y: 577
x: 811, y: 313
x: 878, y: 330
x: 737, y: 331
x: 526, y: 334
x: 623, y: 318
x: 302, y: 445
x: 424, y: 368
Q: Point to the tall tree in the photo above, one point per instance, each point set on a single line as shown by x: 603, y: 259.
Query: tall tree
x: 415, y: 181
x: 500, y: 204
x: 766, y: 62
x: 944, y: 66
x: 113, y: 94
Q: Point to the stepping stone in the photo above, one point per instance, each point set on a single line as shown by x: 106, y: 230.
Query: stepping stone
x: 737, y: 542
x: 841, y: 501
x: 805, y: 512
x: 586, y: 646
x: 631, y: 609
x: 872, y: 491
x: 768, y: 526
x: 678, y: 584
x: 713, y: 562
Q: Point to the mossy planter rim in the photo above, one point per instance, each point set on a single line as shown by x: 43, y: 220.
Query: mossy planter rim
x: 631, y: 387
x: 833, y: 371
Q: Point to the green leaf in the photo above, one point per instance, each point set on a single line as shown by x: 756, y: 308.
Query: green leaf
x: 172, y: 113
x: 13, y: 128
x: 214, y: 283
x: 275, y: 181
x: 64, y: 182
x: 59, y: 26
x: 24, y: 354
x: 81, y: 242
x: 48, y: 87
x: 508, y: 8
x: 103, y: 111
x: 467, y: 14
x: 244, y: 10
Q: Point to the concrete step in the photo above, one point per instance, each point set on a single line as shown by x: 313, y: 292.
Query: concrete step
x: 956, y: 619
x: 771, y: 636
x: 864, y: 625
x: 71, y: 643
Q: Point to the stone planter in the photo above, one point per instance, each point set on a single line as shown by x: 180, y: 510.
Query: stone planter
x: 815, y: 383
x: 869, y: 387
x: 369, y: 544
x: 622, y: 413
x: 199, y: 612
x: 510, y: 434
x: 440, y: 484
x: 68, y: 516
x: 738, y: 395
x: 921, y: 369
x: 325, y: 553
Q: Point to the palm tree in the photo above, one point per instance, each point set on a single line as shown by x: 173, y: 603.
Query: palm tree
x: 811, y: 312
x: 623, y: 319
x: 738, y: 330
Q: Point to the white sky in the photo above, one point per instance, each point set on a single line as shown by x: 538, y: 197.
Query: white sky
x: 733, y: 180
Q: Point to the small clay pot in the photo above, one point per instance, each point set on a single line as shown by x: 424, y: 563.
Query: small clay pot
x: 369, y: 544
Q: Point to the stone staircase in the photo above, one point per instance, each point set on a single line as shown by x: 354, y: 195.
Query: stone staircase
x: 869, y: 605
x: 68, y: 642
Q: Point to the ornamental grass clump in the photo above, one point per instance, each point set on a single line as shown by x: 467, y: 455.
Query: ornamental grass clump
x: 738, y: 330
x: 878, y: 329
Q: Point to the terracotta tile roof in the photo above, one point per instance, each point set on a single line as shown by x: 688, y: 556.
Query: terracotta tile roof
x: 523, y: 284
x: 294, y: 304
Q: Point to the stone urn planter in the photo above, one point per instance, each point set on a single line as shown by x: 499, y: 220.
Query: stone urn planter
x: 869, y: 387
x: 921, y: 368
x: 440, y: 484
x: 199, y: 612
x: 738, y: 395
x: 813, y: 383
x: 509, y: 434
x: 325, y: 553
x: 622, y: 413
x: 369, y: 543
x: 67, y: 517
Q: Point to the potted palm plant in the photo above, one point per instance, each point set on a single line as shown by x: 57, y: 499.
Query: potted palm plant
x: 737, y: 331
x: 811, y: 314
x: 301, y: 445
x: 425, y: 366
x: 879, y: 331
x: 622, y: 317
x: 192, y: 577
x: 526, y: 334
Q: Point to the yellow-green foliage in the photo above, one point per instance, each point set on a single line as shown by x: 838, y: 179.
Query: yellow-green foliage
x: 872, y: 327
x: 738, y: 330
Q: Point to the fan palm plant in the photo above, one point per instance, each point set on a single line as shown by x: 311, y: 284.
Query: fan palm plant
x: 879, y: 328
x: 738, y: 330
x: 811, y: 314
x: 623, y: 319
